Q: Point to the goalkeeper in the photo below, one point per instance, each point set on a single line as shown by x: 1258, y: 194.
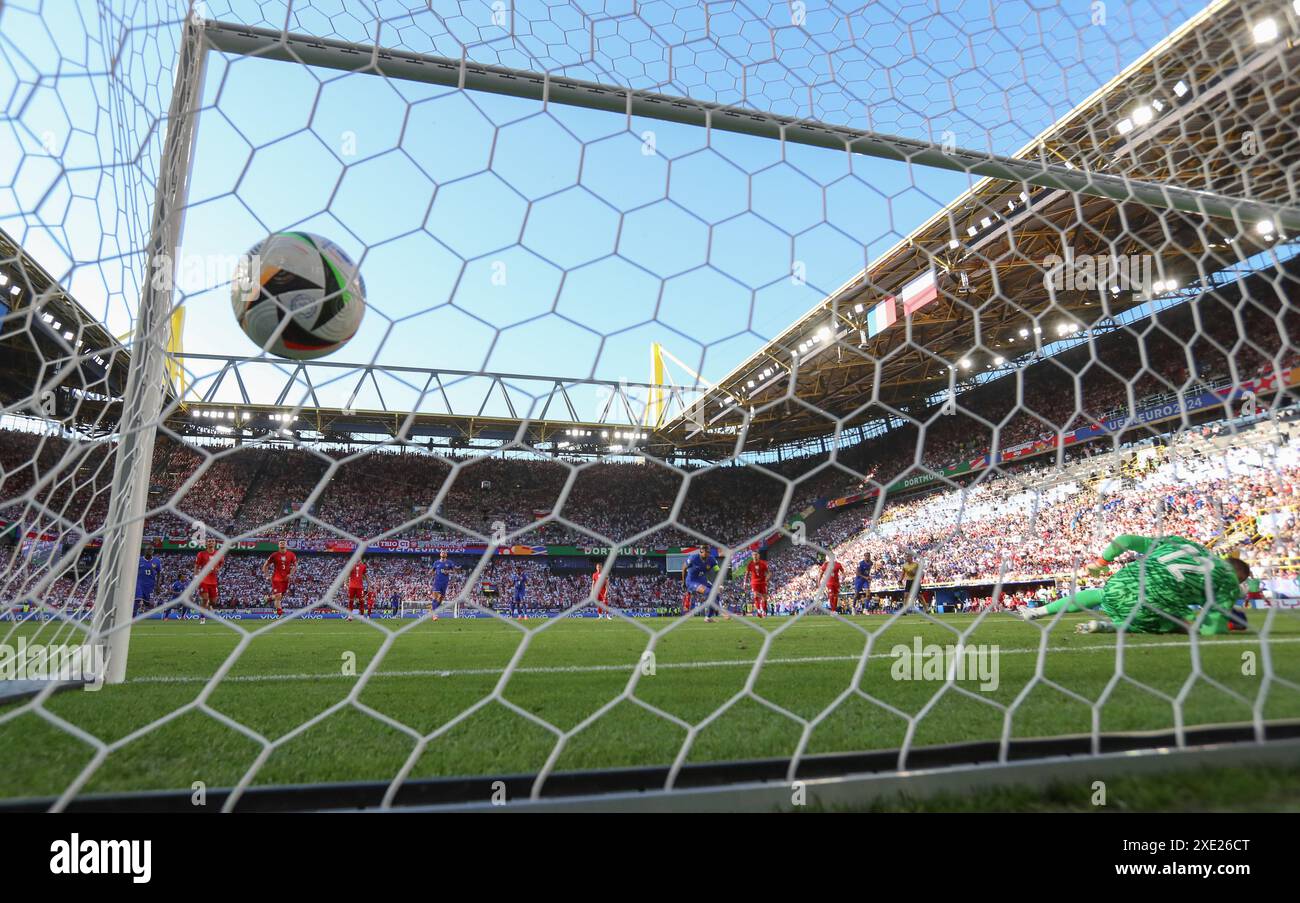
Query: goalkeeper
x: 1160, y: 591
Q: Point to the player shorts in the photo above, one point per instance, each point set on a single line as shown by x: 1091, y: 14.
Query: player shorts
x: 695, y: 585
x: 440, y: 587
x: 758, y: 589
x: 279, y: 585
x: 209, y: 588
x: 144, y: 591
x: 861, y: 586
x: 356, y: 594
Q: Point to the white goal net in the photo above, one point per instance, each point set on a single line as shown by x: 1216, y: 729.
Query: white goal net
x: 701, y: 394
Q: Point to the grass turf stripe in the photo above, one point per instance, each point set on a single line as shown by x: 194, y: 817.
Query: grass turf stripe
x: 719, y: 663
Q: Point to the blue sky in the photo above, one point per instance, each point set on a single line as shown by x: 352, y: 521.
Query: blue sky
x: 494, y: 235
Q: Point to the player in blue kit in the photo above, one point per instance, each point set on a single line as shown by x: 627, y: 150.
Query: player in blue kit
x: 697, y: 578
x: 442, y: 569
x: 517, y: 600
x: 148, y: 573
x: 862, y: 585
x: 177, y: 589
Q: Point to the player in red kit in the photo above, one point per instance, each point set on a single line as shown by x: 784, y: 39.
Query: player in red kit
x: 758, y: 582
x: 601, y: 588
x: 279, y: 567
x: 830, y: 574
x: 357, y: 587
x: 208, y: 560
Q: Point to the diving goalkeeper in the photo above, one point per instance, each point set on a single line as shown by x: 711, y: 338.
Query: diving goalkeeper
x: 1160, y: 591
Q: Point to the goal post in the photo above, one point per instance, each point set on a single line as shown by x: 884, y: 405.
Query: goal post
x: 546, y: 88
x: 143, y: 399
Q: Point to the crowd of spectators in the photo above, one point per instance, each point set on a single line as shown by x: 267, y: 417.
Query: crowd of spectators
x: 57, y: 486
x: 298, y: 493
x: 1011, y: 528
x: 1036, y: 524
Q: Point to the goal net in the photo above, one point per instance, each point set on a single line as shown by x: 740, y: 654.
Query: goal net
x: 699, y: 395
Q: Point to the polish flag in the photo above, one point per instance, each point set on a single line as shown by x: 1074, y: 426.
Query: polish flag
x: 918, y: 293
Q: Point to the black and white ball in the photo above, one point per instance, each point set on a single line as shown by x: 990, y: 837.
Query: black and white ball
x: 298, y: 295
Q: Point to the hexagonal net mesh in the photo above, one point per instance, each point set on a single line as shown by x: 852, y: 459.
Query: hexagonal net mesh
x: 818, y: 388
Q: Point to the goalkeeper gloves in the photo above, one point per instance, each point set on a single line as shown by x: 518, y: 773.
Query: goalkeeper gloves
x: 1098, y: 567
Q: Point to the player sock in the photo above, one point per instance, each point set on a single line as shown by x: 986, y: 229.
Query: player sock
x: 1084, y: 600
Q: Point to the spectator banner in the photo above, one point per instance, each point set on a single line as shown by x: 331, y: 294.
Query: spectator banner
x: 1285, y: 591
x: 39, y: 552
x: 1275, y: 522
x: 418, y: 547
x: 913, y: 481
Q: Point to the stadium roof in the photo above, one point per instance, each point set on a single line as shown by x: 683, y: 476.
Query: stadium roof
x: 1209, y: 81
x: 47, y: 338
x: 1178, y: 115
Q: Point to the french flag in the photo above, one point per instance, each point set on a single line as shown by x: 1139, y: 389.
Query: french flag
x: 881, y: 316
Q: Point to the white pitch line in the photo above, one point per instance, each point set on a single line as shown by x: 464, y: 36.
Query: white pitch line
x: 817, y: 623
x: 721, y: 663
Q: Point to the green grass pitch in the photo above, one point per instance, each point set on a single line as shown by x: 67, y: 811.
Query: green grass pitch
x: 433, y: 674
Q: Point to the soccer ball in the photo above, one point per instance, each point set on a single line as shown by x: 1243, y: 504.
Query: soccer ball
x: 298, y: 295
